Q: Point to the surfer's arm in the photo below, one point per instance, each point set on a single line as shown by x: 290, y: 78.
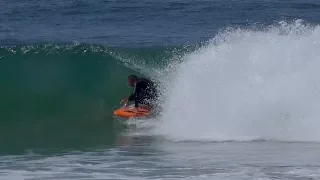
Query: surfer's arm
x: 136, y: 94
x: 132, y: 97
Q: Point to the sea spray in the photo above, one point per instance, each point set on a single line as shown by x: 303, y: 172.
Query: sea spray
x: 247, y: 85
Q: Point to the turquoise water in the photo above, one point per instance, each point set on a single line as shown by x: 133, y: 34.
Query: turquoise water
x: 240, y: 93
x: 63, y: 96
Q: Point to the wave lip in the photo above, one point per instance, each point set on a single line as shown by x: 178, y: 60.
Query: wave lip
x: 247, y: 85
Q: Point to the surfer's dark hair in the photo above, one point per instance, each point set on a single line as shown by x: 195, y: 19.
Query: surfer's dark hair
x: 133, y: 77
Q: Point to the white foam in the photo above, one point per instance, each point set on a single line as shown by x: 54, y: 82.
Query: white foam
x: 246, y: 85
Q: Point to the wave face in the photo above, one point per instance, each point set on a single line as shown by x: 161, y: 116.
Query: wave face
x: 248, y: 85
x: 63, y: 96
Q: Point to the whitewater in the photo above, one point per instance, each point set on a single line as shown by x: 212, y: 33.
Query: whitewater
x: 246, y: 84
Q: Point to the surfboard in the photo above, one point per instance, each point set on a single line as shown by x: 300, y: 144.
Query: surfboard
x: 132, y: 112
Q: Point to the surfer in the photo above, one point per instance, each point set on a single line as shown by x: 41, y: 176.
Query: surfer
x: 145, y: 91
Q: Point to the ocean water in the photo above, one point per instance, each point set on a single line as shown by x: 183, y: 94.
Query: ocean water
x: 240, y: 95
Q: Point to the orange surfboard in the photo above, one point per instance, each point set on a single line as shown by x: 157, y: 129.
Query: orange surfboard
x: 131, y: 112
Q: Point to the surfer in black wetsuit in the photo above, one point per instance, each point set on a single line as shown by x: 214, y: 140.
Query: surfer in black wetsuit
x: 145, y: 91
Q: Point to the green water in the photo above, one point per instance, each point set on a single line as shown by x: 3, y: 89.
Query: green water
x: 62, y: 96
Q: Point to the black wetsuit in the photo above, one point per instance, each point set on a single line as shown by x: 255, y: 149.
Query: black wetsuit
x: 145, y: 92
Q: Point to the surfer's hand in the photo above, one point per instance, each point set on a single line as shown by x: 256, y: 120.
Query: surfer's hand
x: 123, y: 101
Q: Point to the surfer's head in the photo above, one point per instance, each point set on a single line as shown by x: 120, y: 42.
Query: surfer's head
x: 132, y: 80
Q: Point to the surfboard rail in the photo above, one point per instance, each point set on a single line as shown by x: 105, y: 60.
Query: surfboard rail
x: 132, y: 112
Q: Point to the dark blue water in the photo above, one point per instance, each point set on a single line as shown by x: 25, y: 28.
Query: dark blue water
x: 141, y: 22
